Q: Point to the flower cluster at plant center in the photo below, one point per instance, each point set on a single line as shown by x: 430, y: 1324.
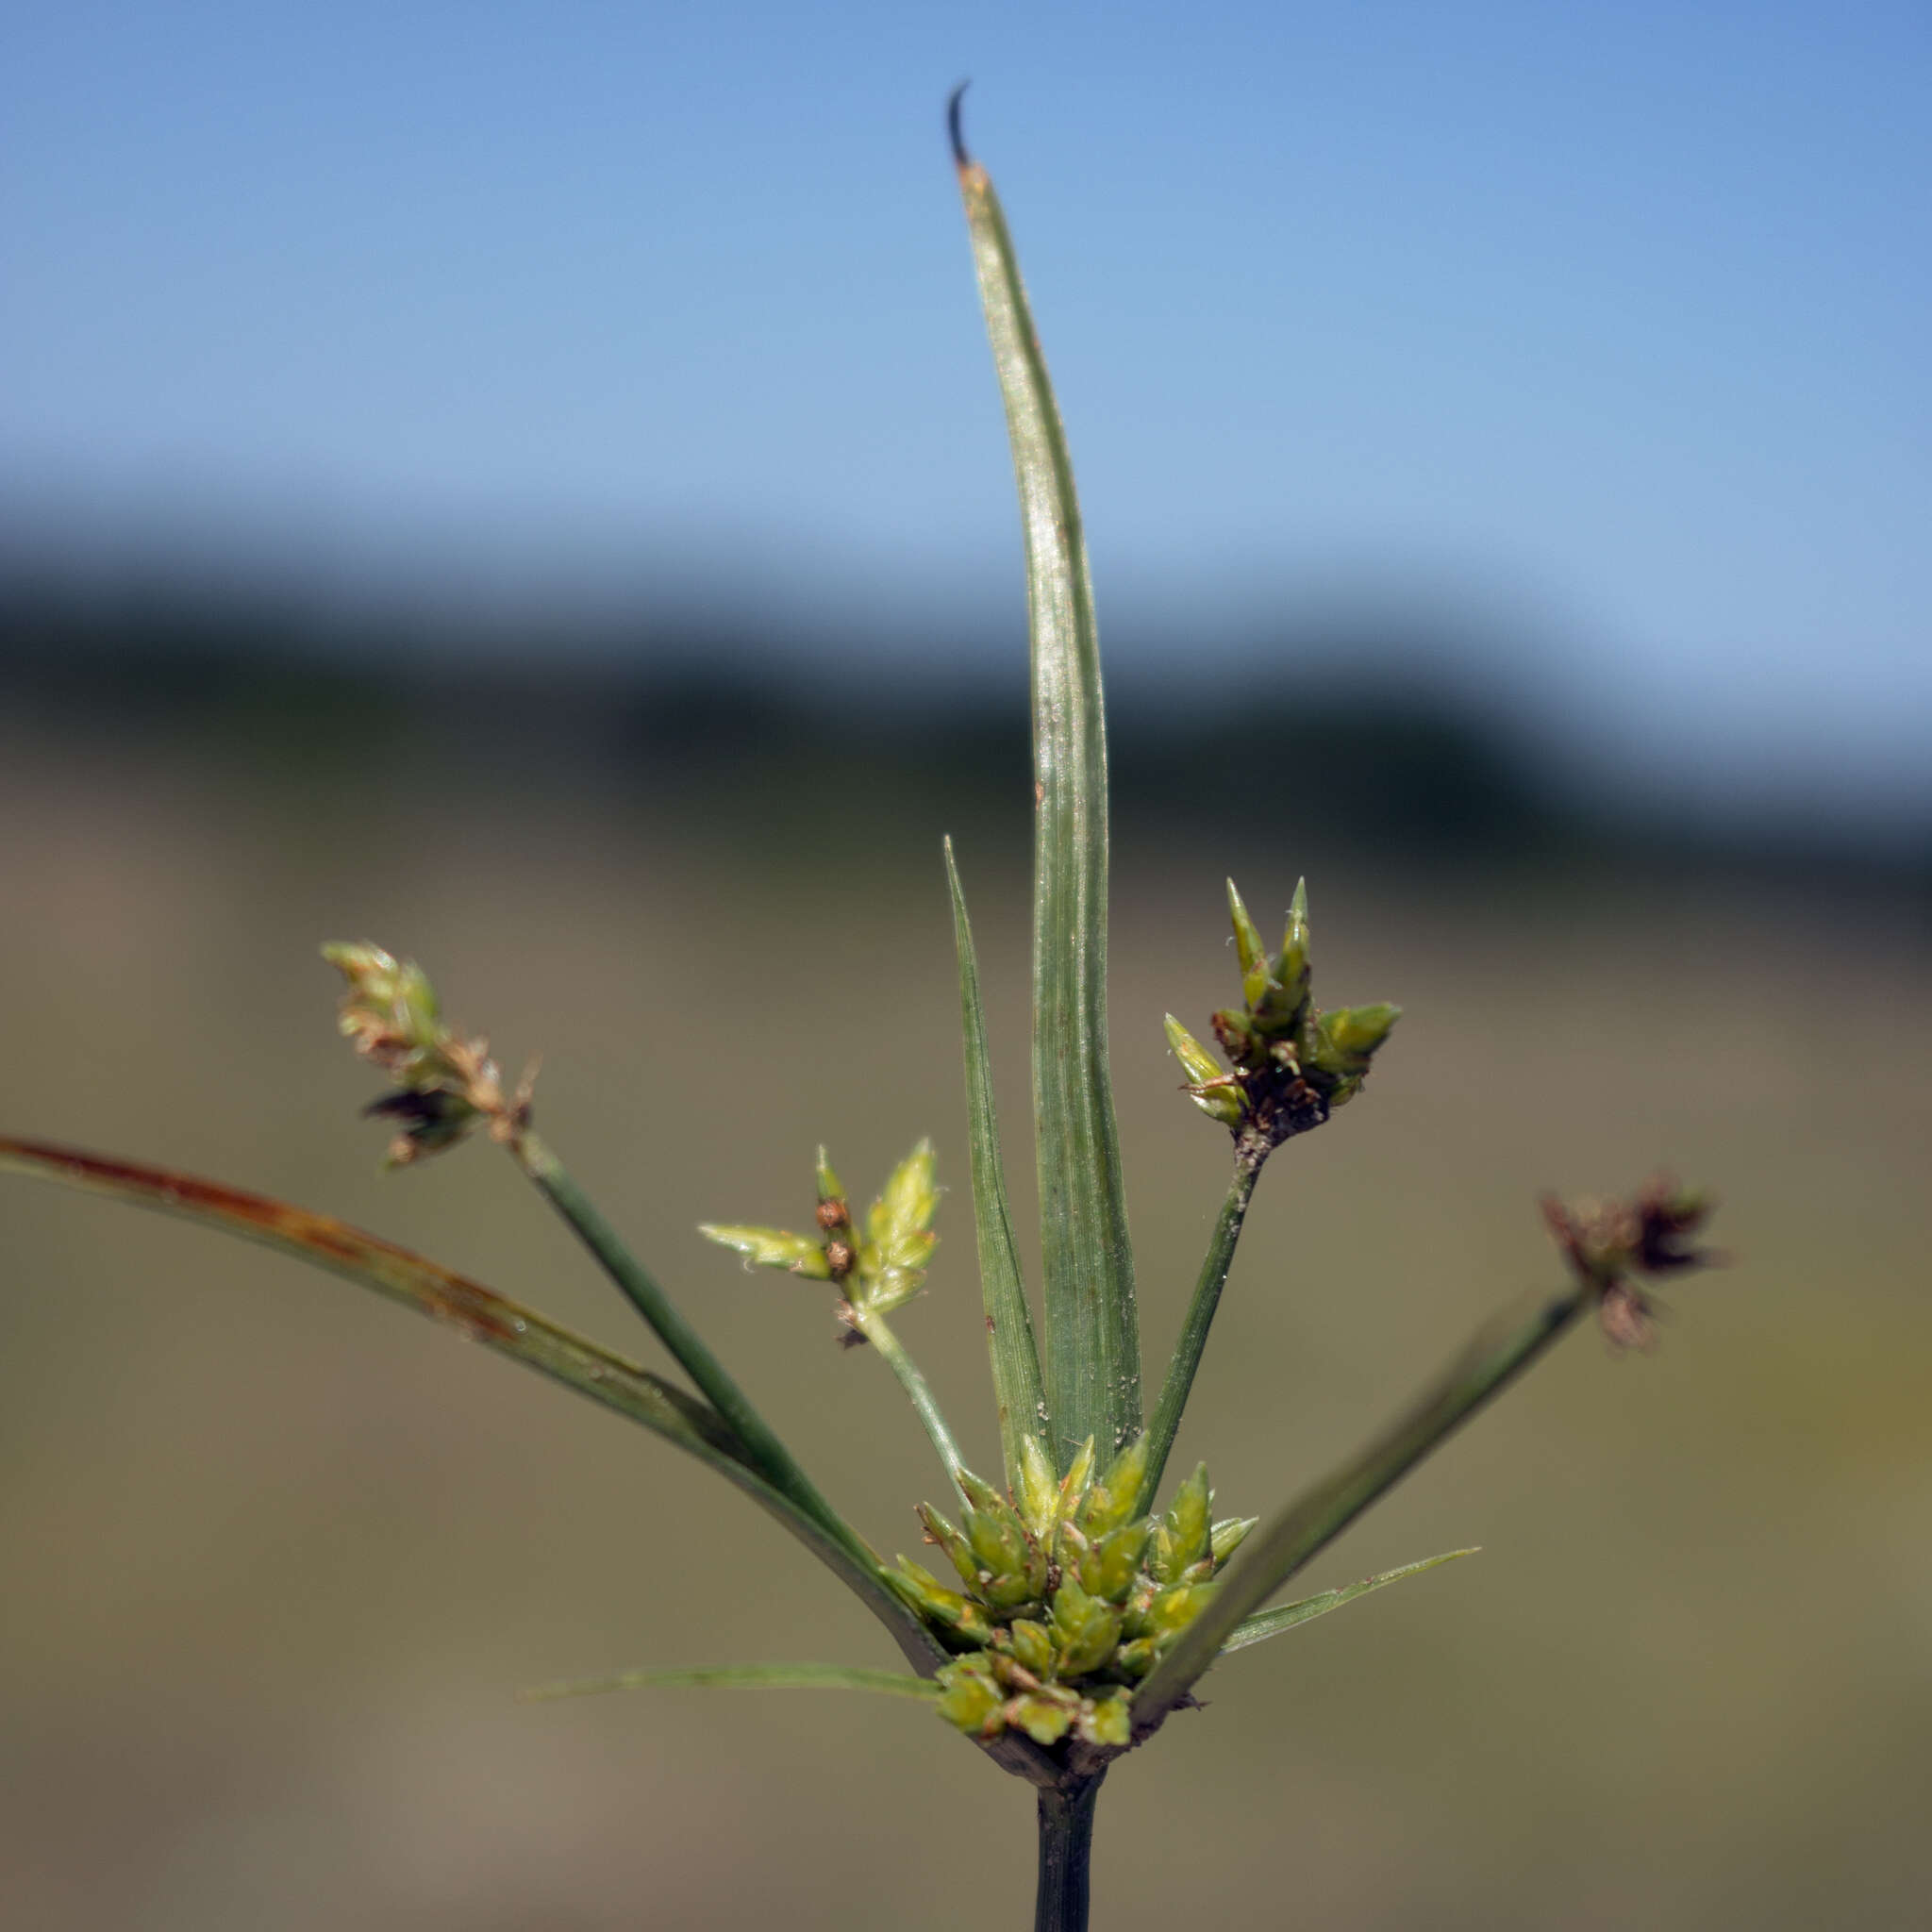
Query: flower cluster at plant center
x: 1068, y: 1594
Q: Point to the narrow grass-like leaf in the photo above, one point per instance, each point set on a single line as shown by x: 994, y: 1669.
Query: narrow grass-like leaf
x: 491, y: 1319
x: 743, y: 1678
x: 1009, y: 1322
x: 1259, y: 1628
x: 1270, y: 1557
x: 1092, y: 1332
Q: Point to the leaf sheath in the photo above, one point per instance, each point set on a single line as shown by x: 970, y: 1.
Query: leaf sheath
x: 1092, y: 1351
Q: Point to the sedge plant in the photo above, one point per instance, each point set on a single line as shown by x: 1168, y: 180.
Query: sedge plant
x: 1063, y: 1614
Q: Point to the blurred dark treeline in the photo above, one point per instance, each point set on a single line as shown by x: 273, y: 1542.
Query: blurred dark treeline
x: 778, y: 732
x: 281, y: 1555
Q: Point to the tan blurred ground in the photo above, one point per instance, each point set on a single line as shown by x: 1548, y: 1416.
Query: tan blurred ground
x: 278, y: 1555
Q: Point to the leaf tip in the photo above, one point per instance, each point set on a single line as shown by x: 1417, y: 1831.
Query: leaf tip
x: 956, y: 131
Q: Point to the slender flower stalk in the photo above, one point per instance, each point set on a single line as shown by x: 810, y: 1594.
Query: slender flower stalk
x: 553, y: 1182
x: 1605, y: 1244
x: 878, y: 1331
x: 1193, y: 1341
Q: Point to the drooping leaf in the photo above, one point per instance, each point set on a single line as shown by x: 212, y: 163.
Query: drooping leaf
x: 1267, y: 1624
x: 1092, y: 1331
x: 744, y: 1677
x: 490, y: 1319
x: 1009, y: 1322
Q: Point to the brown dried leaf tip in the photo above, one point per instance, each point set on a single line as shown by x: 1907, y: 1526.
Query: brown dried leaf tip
x: 449, y: 1083
x: 1606, y: 1242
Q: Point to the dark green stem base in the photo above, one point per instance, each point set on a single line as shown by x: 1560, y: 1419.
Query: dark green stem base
x: 1066, y: 1854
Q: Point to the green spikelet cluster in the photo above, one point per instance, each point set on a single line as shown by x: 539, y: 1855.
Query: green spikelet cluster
x: 878, y: 1268
x: 1294, y: 1064
x: 1068, y: 1594
x: 449, y: 1083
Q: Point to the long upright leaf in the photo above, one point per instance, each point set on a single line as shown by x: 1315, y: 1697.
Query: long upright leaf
x: 1008, y: 1324
x: 1497, y: 1355
x: 486, y: 1317
x: 1092, y: 1331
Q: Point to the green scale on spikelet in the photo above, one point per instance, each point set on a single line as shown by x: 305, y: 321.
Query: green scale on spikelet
x: 1070, y: 1595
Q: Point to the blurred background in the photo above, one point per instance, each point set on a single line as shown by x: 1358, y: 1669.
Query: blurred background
x: 525, y: 485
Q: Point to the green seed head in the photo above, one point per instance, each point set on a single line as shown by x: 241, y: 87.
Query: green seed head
x: 448, y: 1082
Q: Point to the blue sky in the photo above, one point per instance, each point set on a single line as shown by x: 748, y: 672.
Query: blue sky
x: 1608, y: 318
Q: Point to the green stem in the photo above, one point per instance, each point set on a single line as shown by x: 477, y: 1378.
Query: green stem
x: 1200, y: 1317
x: 1066, y: 1854
x: 876, y: 1330
x: 766, y: 1452
x: 1498, y: 1355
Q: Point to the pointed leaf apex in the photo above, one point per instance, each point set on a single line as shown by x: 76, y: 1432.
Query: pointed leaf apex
x: 1038, y: 1487
x: 1221, y: 1100
x: 771, y: 1247
x: 1079, y: 1474
x: 1247, y: 940
x: 1294, y: 941
x: 829, y: 1186
x: 1196, y: 1061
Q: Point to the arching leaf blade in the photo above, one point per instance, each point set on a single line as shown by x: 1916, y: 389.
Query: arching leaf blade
x: 483, y: 1316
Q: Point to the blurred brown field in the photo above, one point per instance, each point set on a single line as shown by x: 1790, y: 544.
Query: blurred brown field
x: 278, y: 1555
